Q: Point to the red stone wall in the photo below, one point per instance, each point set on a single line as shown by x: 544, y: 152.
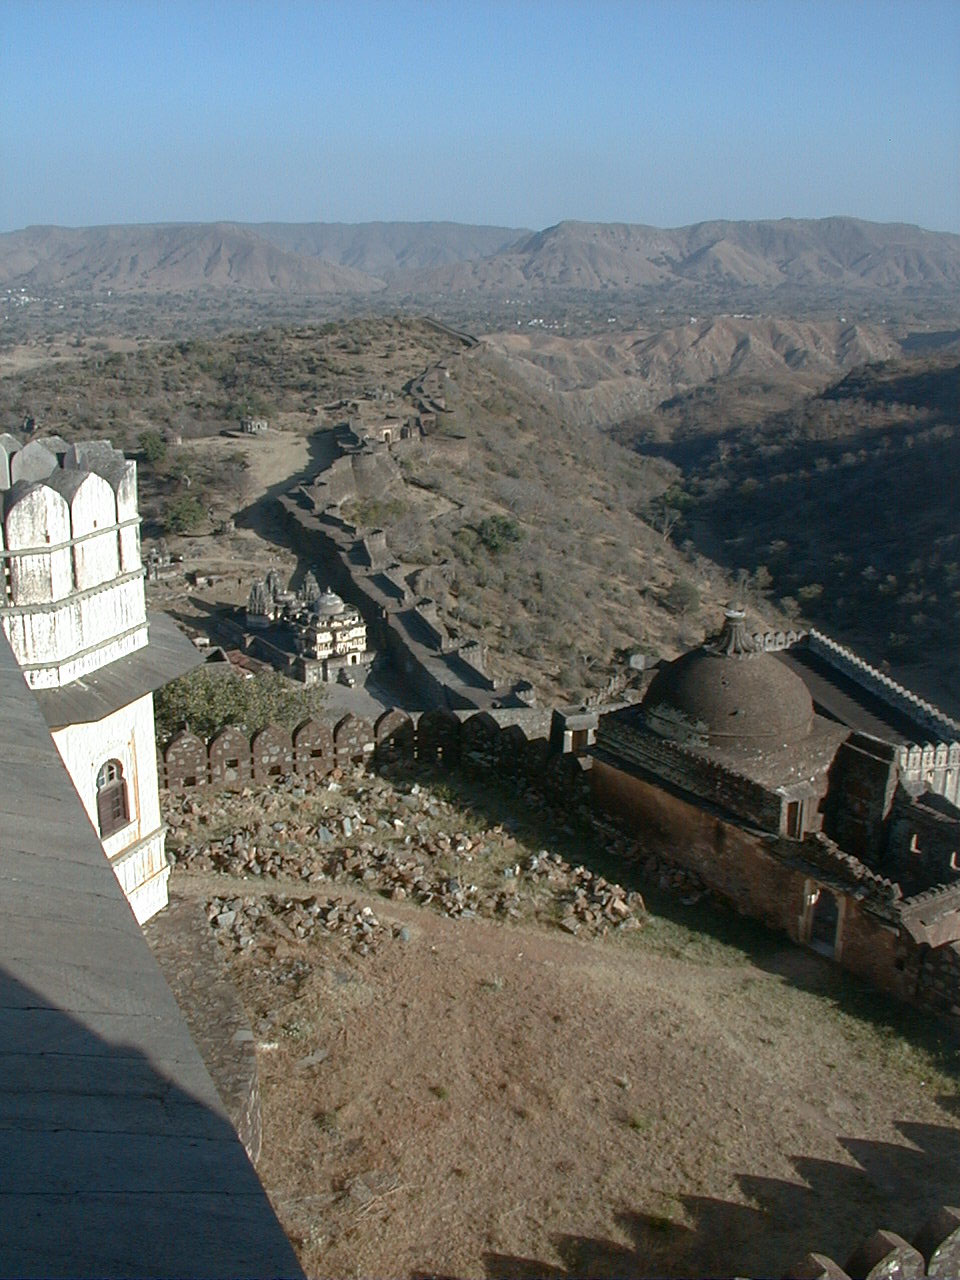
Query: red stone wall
x: 728, y: 858
x: 742, y: 867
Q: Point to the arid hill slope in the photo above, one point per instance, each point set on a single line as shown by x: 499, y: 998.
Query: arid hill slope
x: 608, y: 380
x: 386, y: 248
x: 827, y: 252
x: 168, y: 258
x: 844, y: 510
x: 841, y: 255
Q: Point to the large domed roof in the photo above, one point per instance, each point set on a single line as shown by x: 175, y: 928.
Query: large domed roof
x: 328, y: 604
x: 726, y: 694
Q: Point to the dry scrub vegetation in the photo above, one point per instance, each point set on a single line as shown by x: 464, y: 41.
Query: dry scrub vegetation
x: 549, y: 541
x: 202, y: 385
x: 841, y: 508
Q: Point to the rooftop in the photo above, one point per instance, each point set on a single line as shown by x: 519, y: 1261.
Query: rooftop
x: 116, y: 1154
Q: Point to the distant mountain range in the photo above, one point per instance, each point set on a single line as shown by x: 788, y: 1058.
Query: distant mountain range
x: 830, y: 251
x: 443, y: 257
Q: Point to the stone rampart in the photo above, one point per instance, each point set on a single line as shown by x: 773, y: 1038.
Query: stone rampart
x: 903, y: 946
x: 71, y: 595
x: 438, y: 674
x: 935, y: 766
x: 691, y: 772
x: 774, y: 641
x: 234, y: 758
x: 934, y: 1251
x: 335, y: 485
x: 845, y: 660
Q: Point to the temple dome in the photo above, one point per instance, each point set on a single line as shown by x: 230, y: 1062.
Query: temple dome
x: 328, y: 604
x: 727, y: 694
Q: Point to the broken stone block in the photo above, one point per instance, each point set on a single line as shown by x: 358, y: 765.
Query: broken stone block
x: 816, y: 1266
x: 886, y: 1256
x: 939, y: 1242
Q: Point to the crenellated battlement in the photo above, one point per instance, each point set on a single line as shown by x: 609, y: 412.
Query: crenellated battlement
x: 933, y: 766
x: 919, y: 709
x: 71, y: 577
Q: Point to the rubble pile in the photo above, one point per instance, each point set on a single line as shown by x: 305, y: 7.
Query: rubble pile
x: 237, y: 921
x: 400, y: 838
x: 587, y: 901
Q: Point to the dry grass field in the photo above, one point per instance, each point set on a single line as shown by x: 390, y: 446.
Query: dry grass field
x: 481, y: 1098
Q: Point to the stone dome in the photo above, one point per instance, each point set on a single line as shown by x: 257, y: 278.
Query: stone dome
x: 328, y: 604
x: 727, y: 694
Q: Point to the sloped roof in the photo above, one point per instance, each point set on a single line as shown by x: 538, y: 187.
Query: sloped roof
x: 116, y: 1154
x: 168, y: 654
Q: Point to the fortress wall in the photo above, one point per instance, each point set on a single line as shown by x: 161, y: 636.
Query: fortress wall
x: 734, y: 862
x: 81, y: 633
x: 774, y: 641
x: 845, y: 660
x: 37, y: 525
x: 470, y: 667
x: 322, y: 546
x: 934, y: 766
x: 338, y: 483
x: 232, y: 757
x: 759, y: 876
x: 691, y: 772
x: 768, y: 878
x: 923, y: 846
x: 934, y: 1251
x: 373, y: 472
x: 936, y: 973
x: 71, y: 596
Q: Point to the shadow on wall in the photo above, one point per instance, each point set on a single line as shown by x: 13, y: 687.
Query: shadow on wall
x: 109, y: 1168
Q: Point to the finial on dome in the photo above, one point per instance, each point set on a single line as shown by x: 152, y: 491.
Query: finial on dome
x: 733, y: 640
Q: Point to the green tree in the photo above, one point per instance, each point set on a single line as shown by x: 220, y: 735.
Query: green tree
x: 498, y: 532
x: 683, y: 597
x: 206, y: 700
x: 152, y: 446
x: 183, y: 514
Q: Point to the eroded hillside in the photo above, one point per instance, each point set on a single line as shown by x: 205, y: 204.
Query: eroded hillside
x: 844, y: 510
x: 609, y: 380
x: 539, y: 535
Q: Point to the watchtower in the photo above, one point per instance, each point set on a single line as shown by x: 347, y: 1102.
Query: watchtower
x: 72, y: 605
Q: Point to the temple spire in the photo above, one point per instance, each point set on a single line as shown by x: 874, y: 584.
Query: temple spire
x: 733, y: 640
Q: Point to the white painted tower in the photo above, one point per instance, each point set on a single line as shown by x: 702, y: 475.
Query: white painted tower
x: 73, y: 608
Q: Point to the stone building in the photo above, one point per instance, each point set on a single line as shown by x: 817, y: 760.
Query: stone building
x: 782, y: 782
x: 331, y: 639
x: 73, y: 608
x: 314, y: 634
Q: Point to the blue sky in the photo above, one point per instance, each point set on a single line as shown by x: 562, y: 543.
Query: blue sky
x: 519, y: 113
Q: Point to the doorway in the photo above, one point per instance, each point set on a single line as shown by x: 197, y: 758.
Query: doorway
x: 824, y: 923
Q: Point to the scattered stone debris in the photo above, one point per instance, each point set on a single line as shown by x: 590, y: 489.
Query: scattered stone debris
x: 398, y: 837
x: 238, y: 921
x: 589, y: 902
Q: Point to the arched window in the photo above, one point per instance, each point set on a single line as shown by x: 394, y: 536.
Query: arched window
x: 113, y: 810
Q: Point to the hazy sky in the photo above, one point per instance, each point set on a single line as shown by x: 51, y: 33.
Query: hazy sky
x: 520, y: 113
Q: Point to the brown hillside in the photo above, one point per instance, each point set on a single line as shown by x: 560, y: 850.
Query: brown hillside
x: 167, y: 258
x: 829, y: 252
x: 610, y: 379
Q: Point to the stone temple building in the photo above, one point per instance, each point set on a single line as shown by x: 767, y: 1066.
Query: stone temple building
x: 73, y: 608
x: 314, y: 635
x: 787, y: 774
